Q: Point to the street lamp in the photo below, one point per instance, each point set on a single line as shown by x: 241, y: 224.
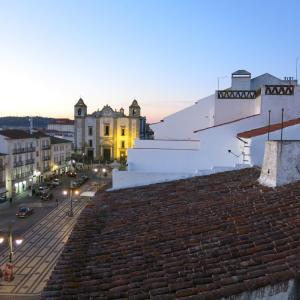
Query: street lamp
x: 18, y: 241
x: 71, y: 192
x: 104, y: 171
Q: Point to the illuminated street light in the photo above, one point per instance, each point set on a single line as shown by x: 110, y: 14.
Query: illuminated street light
x: 8, y: 236
x: 95, y: 170
x: 19, y: 241
x: 65, y: 193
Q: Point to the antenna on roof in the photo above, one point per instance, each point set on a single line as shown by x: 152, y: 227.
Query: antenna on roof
x: 297, y: 58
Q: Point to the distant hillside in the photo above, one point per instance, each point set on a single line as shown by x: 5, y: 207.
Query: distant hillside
x: 38, y: 122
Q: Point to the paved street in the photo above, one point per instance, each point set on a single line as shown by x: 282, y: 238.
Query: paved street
x: 37, y: 255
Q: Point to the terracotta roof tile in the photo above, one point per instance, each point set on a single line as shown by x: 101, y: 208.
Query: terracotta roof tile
x: 265, y: 129
x: 201, y: 238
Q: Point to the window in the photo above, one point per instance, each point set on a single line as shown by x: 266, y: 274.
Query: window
x: 90, y: 130
x: 123, y: 144
x: 91, y: 143
x: 122, y: 131
x: 106, y: 130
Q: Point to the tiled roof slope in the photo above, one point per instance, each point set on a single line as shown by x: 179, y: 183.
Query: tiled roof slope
x: 200, y: 238
x: 265, y: 129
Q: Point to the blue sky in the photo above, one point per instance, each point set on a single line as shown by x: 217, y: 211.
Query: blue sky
x: 166, y: 53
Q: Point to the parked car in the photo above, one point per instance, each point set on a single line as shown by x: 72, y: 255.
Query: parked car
x: 24, y: 212
x: 42, y: 189
x: 85, y: 178
x: 46, y: 196
x: 75, y: 183
x: 3, y: 198
x: 55, y: 182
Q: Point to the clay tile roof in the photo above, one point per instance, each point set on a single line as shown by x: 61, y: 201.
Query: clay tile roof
x: 16, y: 134
x: 201, y: 238
x: 265, y: 129
x: 55, y: 140
x: 62, y: 121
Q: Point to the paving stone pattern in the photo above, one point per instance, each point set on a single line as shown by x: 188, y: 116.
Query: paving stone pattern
x: 35, y: 258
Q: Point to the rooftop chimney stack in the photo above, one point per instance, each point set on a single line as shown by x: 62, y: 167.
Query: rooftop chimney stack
x: 240, y: 80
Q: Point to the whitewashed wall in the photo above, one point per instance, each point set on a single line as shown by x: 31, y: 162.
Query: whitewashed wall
x: 227, y: 110
x: 291, y: 105
x: 257, y: 144
x: 181, y: 124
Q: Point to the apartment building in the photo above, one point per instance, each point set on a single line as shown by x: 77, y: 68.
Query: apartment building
x: 21, y: 171
x: 43, y: 154
x: 60, y: 155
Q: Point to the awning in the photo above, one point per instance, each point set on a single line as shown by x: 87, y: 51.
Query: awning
x: 89, y: 194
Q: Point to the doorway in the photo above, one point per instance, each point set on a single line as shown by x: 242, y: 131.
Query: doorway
x: 106, y: 154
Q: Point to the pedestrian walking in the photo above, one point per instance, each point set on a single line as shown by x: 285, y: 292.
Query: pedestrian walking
x: 10, y: 200
x: 56, y: 202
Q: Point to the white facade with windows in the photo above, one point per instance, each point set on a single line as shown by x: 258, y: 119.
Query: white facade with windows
x: 60, y: 155
x: 215, y: 124
x: 20, y: 147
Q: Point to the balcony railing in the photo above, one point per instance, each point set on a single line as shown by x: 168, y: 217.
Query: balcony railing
x: 29, y: 161
x: 46, y: 147
x: 46, y: 158
x: 278, y: 90
x: 23, y: 150
x: 242, y: 94
x: 18, y: 164
x: 22, y: 175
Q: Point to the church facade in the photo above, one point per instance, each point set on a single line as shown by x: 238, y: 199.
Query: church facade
x: 106, y: 134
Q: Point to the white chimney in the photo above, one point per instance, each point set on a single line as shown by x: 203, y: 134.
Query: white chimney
x: 241, y: 80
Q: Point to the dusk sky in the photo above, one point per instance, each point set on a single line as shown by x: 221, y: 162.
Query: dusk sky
x: 165, y: 53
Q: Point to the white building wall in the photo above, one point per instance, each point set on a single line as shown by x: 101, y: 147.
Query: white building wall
x: 181, y: 125
x: 90, y: 122
x: 291, y: 105
x: 257, y: 144
x: 227, y: 110
x: 281, y: 163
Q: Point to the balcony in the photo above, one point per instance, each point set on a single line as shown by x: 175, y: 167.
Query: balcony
x: 18, y: 164
x: 23, y: 150
x: 29, y: 161
x: 45, y: 158
x: 46, y: 147
x: 22, y: 175
x: 47, y: 169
